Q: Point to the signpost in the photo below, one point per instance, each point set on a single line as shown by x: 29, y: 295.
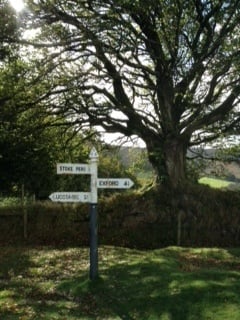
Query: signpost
x: 73, y: 168
x: 90, y: 197
x: 112, y: 183
x: 93, y: 216
x: 70, y: 196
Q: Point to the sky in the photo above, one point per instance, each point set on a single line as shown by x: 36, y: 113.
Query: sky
x: 18, y: 5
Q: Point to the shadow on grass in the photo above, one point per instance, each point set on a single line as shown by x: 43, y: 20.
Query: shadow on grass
x: 13, y: 262
x: 168, y: 284
x: 157, y: 288
x: 28, y: 280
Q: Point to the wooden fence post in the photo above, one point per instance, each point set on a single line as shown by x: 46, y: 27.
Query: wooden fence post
x: 24, y: 210
x: 179, y: 227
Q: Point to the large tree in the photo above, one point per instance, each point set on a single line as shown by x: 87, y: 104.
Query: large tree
x: 164, y: 70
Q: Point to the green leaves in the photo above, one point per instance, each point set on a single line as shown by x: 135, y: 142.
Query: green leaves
x: 164, y: 71
x: 9, y: 30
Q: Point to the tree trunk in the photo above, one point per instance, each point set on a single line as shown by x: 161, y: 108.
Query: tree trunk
x: 175, y: 155
x: 169, y: 161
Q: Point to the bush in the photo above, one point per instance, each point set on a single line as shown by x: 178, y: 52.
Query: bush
x: 138, y: 220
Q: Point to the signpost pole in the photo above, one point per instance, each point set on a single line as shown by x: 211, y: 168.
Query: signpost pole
x: 93, y: 216
x: 91, y: 197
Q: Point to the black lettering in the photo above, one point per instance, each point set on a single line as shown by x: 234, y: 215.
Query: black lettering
x: 65, y: 169
x: 81, y: 169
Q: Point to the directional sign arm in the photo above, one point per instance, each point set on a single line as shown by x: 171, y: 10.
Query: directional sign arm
x: 73, y: 168
x: 70, y: 197
x: 114, y: 183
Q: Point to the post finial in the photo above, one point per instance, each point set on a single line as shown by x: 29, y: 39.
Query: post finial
x: 93, y: 154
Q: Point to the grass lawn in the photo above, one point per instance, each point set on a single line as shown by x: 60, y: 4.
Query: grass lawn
x: 172, y: 283
x: 219, y: 183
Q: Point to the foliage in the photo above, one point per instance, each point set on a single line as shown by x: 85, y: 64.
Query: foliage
x: 167, y: 72
x: 9, y: 202
x: 9, y: 30
x: 31, y: 139
x: 209, y: 217
x: 230, y: 153
x: 111, y: 165
x: 138, y: 164
x: 171, y: 283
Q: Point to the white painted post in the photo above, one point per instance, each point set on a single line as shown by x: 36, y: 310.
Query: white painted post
x: 93, y: 215
x: 91, y: 197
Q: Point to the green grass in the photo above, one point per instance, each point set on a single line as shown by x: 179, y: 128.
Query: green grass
x: 219, y: 183
x: 9, y: 201
x: 166, y: 284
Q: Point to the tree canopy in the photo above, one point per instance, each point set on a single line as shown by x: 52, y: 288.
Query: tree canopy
x: 9, y: 29
x: 31, y: 140
x: 166, y: 70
